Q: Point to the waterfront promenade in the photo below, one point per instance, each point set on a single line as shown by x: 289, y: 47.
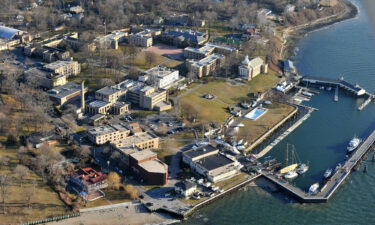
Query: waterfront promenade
x: 333, y: 183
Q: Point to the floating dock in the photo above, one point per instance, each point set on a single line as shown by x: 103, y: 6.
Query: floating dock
x: 333, y: 183
x: 340, y: 83
x: 336, y: 98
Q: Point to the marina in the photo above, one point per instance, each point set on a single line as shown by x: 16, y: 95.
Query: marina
x: 332, y: 183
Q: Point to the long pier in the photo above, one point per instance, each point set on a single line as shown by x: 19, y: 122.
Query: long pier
x: 333, y: 183
x: 341, y: 83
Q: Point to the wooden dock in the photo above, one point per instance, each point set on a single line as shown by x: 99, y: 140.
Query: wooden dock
x: 333, y: 183
x: 336, y: 98
x: 365, y: 103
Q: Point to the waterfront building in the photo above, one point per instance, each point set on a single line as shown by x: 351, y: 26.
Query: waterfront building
x: 207, y: 162
x: 87, y: 182
x: 252, y: 68
x: 185, y: 188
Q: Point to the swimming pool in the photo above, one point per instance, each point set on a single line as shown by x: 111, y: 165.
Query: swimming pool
x: 256, y: 113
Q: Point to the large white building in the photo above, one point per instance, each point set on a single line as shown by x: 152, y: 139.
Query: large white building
x: 251, y: 68
x: 161, y: 77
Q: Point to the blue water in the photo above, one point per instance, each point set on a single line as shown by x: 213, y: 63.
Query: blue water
x: 255, y: 113
x: 344, y: 49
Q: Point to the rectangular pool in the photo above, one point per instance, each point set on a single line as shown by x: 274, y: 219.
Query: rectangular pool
x: 256, y: 113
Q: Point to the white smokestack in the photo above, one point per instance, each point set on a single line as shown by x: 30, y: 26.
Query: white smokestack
x: 83, y: 97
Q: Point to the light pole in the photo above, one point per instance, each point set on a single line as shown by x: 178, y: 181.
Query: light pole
x: 108, y: 165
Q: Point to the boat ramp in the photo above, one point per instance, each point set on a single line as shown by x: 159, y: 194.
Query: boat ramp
x: 333, y: 183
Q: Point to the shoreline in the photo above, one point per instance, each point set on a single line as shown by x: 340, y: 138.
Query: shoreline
x: 292, y: 39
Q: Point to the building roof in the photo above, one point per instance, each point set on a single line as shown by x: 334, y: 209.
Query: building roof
x: 142, y: 155
x: 214, y: 161
x: 127, y: 84
x: 206, y: 60
x: 160, y: 71
x: 98, y: 104
x: 65, y: 90
x: 256, y: 62
x: 186, y: 185
x: 89, y: 175
x: 246, y: 61
x: 137, y: 138
x: 106, y: 129
x: 58, y: 64
x: 191, y: 35
x: 154, y: 166
x: 8, y: 32
x: 198, y: 151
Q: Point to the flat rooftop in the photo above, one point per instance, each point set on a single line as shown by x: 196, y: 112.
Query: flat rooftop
x: 142, y: 155
x: 58, y: 64
x: 65, y: 90
x: 202, y: 150
x: 125, y: 85
x: 98, y: 104
x: 160, y: 71
x: 154, y: 166
x: 106, y: 129
x: 135, y: 139
x: 214, y: 161
x: 207, y: 60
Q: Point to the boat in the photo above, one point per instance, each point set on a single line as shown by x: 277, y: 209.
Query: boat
x: 329, y: 88
x: 288, y: 168
x: 353, y: 144
x: 314, y: 189
x: 327, y: 173
x: 291, y: 174
x: 308, y: 94
x: 302, y: 168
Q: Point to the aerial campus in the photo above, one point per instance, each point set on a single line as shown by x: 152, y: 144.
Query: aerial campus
x: 147, y: 113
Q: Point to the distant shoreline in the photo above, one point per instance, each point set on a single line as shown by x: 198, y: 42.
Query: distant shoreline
x: 299, y: 33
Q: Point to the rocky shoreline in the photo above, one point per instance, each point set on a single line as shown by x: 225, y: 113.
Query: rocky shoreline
x: 300, y: 31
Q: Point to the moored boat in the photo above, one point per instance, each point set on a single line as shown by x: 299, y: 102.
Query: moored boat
x: 314, y: 189
x: 328, y: 173
x: 302, y: 168
x: 291, y: 174
x: 353, y: 144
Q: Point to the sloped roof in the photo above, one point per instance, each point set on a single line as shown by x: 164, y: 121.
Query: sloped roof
x: 7, y: 32
x: 256, y: 62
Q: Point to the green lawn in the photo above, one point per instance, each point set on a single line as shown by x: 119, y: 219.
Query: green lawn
x: 45, y: 202
x: 254, y: 129
x: 111, y: 197
x: 140, y: 61
x: 226, y: 94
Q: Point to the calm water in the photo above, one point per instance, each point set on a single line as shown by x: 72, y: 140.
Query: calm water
x: 344, y: 49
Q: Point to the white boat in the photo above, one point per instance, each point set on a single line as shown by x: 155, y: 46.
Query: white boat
x: 353, y: 144
x: 327, y: 173
x: 308, y: 94
x: 302, y: 168
x: 329, y: 88
x: 291, y: 174
x: 314, y: 189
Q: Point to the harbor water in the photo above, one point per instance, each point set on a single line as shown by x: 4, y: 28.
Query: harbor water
x: 345, y: 49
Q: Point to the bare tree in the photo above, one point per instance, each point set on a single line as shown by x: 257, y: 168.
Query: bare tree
x: 22, y: 173
x: 4, y: 161
x: 150, y: 58
x: 5, y: 183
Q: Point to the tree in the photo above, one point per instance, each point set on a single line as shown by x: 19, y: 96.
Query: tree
x: 5, y: 183
x: 150, y: 58
x: 114, y: 180
x: 131, y: 191
x: 4, y: 161
x: 22, y: 172
x: 29, y: 194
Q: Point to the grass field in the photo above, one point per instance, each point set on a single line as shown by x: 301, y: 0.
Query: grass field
x: 140, y: 61
x: 111, y: 197
x: 45, y: 202
x: 225, y: 94
x: 254, y: 129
